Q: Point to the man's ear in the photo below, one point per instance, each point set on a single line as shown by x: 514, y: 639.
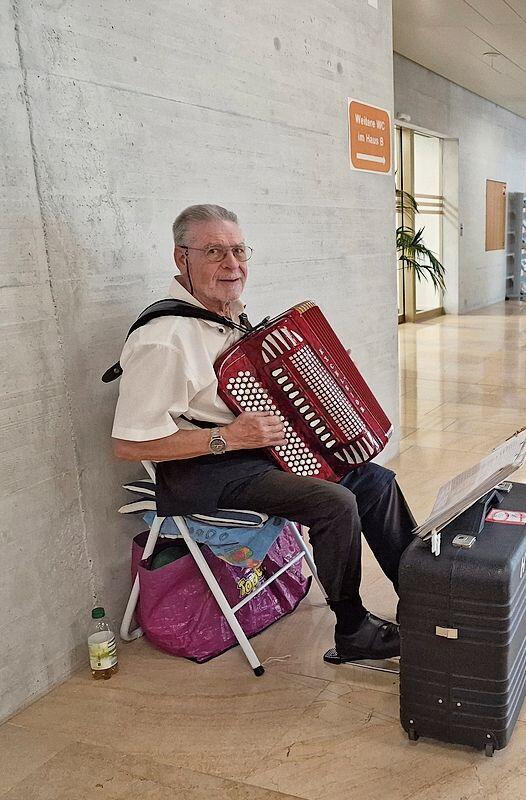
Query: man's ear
x: 180, y: 259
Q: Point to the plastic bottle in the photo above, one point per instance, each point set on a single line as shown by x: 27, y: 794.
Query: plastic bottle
x: 102, y: 647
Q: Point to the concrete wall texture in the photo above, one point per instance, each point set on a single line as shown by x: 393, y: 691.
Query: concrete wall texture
x: 116, y: 115
x: 491, y: 145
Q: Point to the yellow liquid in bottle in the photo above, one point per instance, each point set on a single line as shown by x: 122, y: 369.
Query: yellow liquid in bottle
x: 103, y: 655
x: 104, y: 674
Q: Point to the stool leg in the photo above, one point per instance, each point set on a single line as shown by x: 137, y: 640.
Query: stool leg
x: 220, y: 598
x: 126, y: 634
x: 308, y: 555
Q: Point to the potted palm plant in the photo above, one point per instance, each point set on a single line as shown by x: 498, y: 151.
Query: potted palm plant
x: 410, y: 247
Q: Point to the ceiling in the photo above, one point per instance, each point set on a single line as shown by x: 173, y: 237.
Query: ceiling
x: 453, y: 38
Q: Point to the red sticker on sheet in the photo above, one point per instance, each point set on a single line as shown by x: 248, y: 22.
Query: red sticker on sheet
x: 506, y: 517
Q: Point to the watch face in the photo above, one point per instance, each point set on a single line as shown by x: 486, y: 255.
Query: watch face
x: 217, y: 445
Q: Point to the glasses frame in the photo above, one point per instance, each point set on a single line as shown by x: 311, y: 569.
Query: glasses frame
x: 249, y: 250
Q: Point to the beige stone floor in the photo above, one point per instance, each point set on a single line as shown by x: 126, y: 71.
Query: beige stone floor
x: 167, y: 728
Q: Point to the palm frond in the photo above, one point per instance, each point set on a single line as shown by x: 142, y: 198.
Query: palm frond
x: 414, y: 254
x: 405, y: 202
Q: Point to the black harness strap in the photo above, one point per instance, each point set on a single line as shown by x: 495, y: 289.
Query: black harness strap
x: 174, y: 308
x: 200, y: 423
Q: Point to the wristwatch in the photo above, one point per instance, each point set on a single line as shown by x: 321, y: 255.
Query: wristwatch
x: 217, y: 443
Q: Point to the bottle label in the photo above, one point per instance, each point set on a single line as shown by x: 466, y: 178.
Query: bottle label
x: 103, y: 655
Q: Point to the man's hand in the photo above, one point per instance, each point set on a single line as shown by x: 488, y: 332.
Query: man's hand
x: 253, y: 429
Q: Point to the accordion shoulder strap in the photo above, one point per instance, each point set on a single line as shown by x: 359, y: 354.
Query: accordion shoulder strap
x: 165, y: 308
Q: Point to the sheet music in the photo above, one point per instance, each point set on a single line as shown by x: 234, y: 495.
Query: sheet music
x: 461, y: 491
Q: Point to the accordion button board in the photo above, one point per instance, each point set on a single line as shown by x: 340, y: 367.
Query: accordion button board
x: 296, y: 368
x: 251, y: 396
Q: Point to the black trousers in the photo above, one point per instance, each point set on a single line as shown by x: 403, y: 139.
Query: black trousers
x: 336, y: 517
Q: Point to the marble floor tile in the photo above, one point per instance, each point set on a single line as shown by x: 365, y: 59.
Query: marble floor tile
x: 322, y: 759
x: 438, y: 419
x: 498, y: 431
x: 339, y: 752
x: 83, y: 772
x: 404, y: 445
x: 199, y: 726
x: 450, y: 440
x: 471, y: 411
x: 418, y: 407
x: 21, y: 751
x: 406, y: 430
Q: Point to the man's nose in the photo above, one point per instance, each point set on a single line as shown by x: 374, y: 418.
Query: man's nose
x: 230, y: 261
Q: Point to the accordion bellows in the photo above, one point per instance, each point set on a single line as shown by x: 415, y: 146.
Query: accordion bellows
x: 296, y: 367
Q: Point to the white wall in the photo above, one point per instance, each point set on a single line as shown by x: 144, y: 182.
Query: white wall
x: 118, y: 115
x: 491, y: 145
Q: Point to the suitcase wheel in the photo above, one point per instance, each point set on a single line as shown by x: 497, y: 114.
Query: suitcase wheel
x: 412, y: 735
x: 489, y: 749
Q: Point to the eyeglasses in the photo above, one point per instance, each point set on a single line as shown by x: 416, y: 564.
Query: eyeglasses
x: 217, y: 252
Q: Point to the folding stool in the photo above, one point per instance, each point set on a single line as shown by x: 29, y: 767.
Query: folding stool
x: 228, y: 611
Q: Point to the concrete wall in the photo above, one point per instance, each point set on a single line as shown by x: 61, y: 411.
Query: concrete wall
x: 491, y: 145
x: 117, y: 115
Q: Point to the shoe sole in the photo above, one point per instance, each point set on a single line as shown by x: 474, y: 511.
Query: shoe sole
x: 332, y: 657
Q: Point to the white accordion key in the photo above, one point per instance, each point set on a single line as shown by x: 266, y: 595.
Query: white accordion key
x: 365, y: 454
x: 277, y: 372
x: 282, y: 380
x: 357, y: 457
x: 304, y: 409
x: 287, y: 387
x: 309, y: 416
x: 281, y: 338
x: 270, y: 342
x: 266, y: 349
x: 287, y: 333
x: 294, y: 394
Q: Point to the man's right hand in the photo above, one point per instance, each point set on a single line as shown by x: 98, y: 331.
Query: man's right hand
x: 253, y: 429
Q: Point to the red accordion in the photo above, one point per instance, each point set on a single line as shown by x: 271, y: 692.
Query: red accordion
x: 296, y: 367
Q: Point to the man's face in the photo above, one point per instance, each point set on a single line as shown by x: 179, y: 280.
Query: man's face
x: 216, y: 282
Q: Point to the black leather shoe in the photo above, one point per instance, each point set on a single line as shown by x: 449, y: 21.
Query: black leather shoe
x: 375, y: 639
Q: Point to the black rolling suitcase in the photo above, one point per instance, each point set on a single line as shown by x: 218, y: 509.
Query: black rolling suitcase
x: 463, y: 628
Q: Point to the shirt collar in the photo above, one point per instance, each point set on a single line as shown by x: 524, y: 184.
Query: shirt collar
x: 178, y: 292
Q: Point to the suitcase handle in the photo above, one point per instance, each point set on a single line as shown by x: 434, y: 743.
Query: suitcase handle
x: 472, y: 520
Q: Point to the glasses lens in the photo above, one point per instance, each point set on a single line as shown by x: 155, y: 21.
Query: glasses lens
x: 216, y: 253
x: 242, y: 252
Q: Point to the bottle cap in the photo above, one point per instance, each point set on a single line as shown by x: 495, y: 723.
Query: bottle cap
x: 98, y: 613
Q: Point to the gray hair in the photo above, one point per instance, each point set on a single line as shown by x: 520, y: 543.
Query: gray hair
x: 199, y: 213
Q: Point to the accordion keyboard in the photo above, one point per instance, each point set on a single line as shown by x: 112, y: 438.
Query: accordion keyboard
x: 330, y: 395
x: 251, y: 396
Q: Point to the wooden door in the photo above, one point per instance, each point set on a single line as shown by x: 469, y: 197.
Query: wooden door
x: 495, y: 215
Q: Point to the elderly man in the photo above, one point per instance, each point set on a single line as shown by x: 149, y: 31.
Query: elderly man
x: 169, y: 412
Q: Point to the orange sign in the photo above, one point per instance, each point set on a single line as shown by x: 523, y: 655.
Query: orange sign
x: 369, y: 137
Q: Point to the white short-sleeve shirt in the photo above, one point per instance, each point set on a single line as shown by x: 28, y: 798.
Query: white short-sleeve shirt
x: 168, y: 370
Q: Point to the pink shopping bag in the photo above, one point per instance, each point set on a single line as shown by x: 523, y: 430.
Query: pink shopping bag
x: 179, y: 614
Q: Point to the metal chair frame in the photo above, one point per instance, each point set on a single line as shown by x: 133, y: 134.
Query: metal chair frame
x: 229, y: 612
